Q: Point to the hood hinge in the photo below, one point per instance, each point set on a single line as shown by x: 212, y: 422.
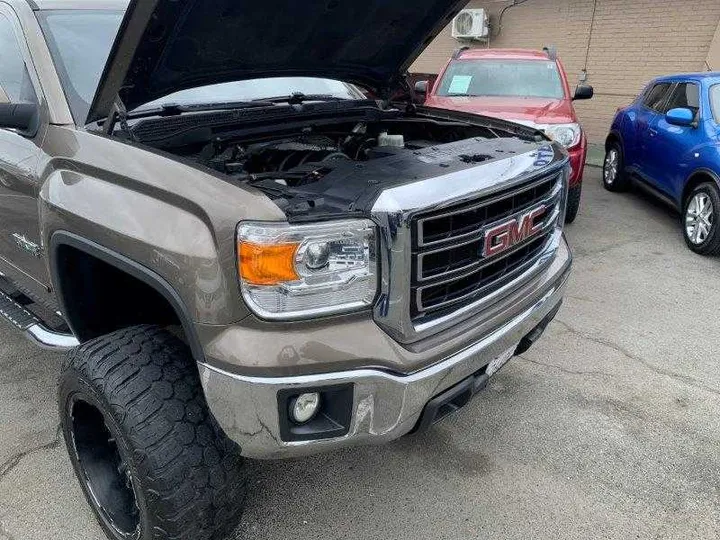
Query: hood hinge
x: 400, y: 83
x: 118, y: 113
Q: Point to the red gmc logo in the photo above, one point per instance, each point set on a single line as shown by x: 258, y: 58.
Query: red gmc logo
x: 514, y: 231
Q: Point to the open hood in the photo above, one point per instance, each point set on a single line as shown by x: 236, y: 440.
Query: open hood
x: 164, y: 46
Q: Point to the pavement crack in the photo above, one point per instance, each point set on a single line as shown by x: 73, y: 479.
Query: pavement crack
x: 587, y: 253
x: 566, y: 370
x: 15, y: 460
x: 685, y: 379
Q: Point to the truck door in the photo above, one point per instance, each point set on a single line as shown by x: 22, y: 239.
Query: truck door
x: 21, y: 256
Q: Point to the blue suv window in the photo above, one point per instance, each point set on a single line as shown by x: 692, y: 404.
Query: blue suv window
x: 685, y: 96
x: 655, y: 97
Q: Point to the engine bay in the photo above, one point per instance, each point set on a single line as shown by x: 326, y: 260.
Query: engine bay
x: 306, y: 156
x: 337, y: 162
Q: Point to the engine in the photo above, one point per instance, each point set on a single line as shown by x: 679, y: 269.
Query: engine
x: 304, y: 158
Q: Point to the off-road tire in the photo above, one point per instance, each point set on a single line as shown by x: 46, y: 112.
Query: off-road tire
x: 187, y: 477
x: 711, y: 245
x: 573, y: 203
x: 618, y: 181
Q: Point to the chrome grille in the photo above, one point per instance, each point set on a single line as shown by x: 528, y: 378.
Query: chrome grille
x: 449, y: 267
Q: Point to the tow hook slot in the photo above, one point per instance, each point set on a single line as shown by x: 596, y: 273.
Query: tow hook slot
x: 451, y: 400
x: 456, y: 397
x: 537, y: 332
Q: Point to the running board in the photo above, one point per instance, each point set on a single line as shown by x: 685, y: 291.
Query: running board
x: 32, y: 327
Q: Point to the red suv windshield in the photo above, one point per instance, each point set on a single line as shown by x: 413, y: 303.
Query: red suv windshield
x: 519, y: 78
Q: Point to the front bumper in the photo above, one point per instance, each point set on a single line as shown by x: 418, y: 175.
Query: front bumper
x: 385, y: 405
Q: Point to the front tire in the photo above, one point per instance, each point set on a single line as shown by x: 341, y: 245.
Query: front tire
x: 701, y: 219
x: 150, y: 458
x: 573, y: 203
x: 614, y: 177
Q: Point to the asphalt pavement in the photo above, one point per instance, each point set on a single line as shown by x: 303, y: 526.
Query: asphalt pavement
x: 607, y: 428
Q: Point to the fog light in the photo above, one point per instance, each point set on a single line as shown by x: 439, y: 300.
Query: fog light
x: 304, y: 407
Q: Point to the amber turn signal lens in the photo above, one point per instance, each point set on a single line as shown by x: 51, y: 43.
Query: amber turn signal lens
x: 262, y: 264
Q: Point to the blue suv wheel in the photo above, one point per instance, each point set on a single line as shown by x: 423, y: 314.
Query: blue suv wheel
x: 614, y: 178
x: 701, y: 219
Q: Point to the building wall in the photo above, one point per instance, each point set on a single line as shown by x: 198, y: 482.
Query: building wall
x: 622, y: 46
x: 713, y: 57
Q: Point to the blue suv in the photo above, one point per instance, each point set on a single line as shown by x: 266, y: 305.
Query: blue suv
x: 668, y: 143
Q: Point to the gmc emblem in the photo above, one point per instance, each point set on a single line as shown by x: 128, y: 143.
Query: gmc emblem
x: 511, y: 233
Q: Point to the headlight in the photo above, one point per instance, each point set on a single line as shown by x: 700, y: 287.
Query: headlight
x: 294, y: 272
x: 566, y: 134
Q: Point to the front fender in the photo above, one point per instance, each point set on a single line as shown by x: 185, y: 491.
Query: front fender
x: 165, y: 215
x: 700, y: 162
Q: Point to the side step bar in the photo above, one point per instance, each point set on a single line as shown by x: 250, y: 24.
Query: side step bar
x: 47, y: 339
x: 32, y: 327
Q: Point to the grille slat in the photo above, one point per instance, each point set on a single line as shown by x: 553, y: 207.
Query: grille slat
x: 466, y: 256
x: 468, y: 219
x: 472, y: 285
x: 449, y: 266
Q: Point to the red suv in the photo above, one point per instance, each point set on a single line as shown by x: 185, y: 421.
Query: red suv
x: 524, y: 86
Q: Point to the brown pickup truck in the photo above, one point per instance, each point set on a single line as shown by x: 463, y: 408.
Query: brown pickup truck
x: 243, y: 254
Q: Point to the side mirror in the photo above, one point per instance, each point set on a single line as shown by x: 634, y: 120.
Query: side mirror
x: 680, y: 117
x: 20, y: 116
x: 583, y: 91
x: 421, y: 89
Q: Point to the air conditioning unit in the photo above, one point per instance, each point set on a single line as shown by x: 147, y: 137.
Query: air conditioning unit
x: 471, y: 24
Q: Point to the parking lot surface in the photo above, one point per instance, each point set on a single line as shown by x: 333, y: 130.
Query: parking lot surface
x: 608, y: 428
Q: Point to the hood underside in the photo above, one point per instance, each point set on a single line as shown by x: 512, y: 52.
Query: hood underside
x: 164, y: 46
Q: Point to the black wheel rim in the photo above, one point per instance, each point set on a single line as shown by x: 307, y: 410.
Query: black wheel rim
x: 105, y: 473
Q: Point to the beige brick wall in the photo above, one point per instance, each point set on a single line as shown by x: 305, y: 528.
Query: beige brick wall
x: 631, y: 42
x: 713, y: 57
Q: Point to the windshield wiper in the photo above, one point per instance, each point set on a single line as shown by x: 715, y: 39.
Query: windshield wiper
x: 175, y: 109
x: 298, y: 98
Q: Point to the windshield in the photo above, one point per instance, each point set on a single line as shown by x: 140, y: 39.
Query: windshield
x: 520, y: 78
x: 257, y: 89
x: 80, y: 43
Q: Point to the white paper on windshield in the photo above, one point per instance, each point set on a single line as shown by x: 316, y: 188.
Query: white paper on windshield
x: 460, y: 84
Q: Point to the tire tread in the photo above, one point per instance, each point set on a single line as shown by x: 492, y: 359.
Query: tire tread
x: 192, y: 475
x: 573, y: 203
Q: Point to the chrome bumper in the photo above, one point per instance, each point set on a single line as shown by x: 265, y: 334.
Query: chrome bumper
x: 385, y: 406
